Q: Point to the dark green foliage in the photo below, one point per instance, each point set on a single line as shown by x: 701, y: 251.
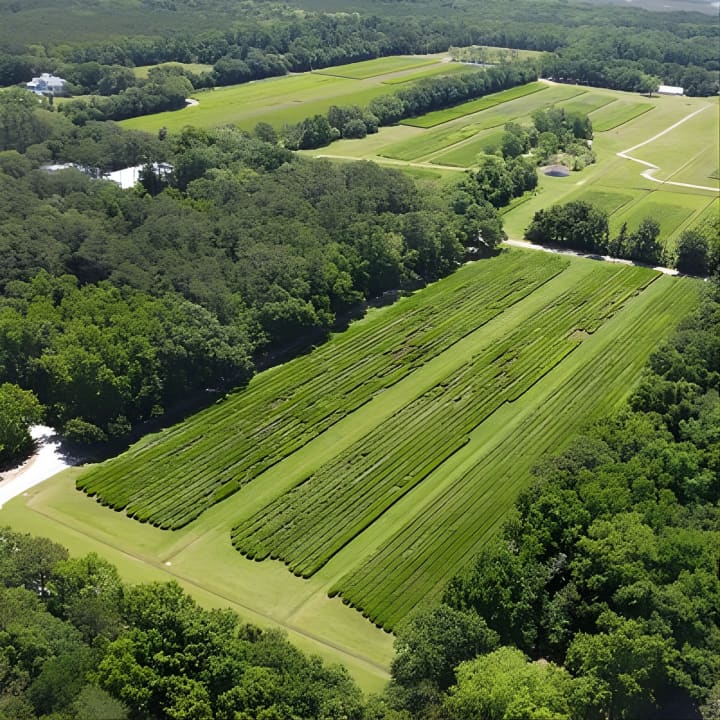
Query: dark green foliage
x: 578, y: 225
x: 18, y: 410
x: 86, y: 646
x: 429, y: 646
x: 118, y: 303
x: 610, y: 564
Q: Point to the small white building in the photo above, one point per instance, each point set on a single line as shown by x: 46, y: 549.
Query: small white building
x: 46, y: 84
x: 669, y: 90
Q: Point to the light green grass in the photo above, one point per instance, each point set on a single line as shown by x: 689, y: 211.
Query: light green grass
x: 142, y: 71
x: 438, y: 117
x: 465, y: 154
x: 431, y: 71
x: 618, y: 113
x: 287, y: 99
x: 587, y: 103
x: 690, y: 152
x: 379, y: 66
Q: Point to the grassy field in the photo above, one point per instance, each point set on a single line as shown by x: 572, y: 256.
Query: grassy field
x: 426, y: 145
x: 433, y: 71
x: 376, y: 465
x: 142, y: 71
x: 292, y: 98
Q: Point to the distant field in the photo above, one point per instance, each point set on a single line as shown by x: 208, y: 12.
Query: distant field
x: 430, y: 71
x: 618, y: 113
x: 464, y: 127
x: 142, y: 70
x: 291, y: 98
x: 465, y: 154
x: 438, y: 117
x: 587, y: 103
x: 379, y: 66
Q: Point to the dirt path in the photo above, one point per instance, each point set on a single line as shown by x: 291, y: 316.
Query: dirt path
x: 47, y: 460
x: 648, y: 174
x: 592, y: 256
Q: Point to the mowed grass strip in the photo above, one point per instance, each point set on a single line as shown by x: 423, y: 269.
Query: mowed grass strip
x: 170, y: 478
x: 438, y: 117
x: 439, y: 537
x: 618, y: 113
x: 440, y: 69
x: 587, y: 103
x: 308, y: 525
x: 378, y: 66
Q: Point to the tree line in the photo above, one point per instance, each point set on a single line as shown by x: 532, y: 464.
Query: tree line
x: 76, y: 643
x: 607, y: 46
x: 580, y: 225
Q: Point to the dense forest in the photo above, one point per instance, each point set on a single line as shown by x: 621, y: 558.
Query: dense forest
x: 116, y: 303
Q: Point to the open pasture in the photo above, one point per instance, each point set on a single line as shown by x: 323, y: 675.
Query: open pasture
x: 291, y: 98
x: 464, y: 154
x: 587, y: 103
x: 447, y: 68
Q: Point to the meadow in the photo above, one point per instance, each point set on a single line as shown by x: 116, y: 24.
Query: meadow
x: 376, y: 465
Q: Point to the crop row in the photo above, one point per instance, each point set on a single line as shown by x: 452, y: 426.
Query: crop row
x: 169, y: 479
x: 310, y: 523
x: 415, y: 564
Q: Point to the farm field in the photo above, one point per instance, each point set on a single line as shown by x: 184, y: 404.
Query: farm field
x: 684, y: 147
x: 381, y: 459
x: 292, y: 98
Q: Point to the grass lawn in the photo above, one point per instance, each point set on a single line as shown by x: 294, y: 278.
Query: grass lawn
x: 618, y: 113
x: 429, y: 71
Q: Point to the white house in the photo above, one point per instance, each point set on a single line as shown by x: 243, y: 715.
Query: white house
x: 46, y: 84
x: 669, y: 90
